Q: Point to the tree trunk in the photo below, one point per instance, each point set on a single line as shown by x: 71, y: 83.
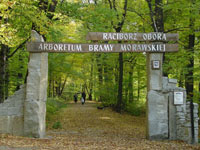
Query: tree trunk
x: 63, y: 86
x: 181, y: 79
x: 120, y: 88
x: 159, y: 16
x: 160, y: 24
x: 130, y: 84
x: 189, y: 81
x: 3, y: 49
x: 100, y: 74
x: 91, y: 80
x: 118, y: 28
x: 138, y: 94
x: 189, y: 76
x: 53, y: 88
x: 7, y: 73
x: 19, y: 74
x: 50, y: 86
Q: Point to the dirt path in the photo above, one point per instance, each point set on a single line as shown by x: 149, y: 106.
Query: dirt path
x: 88, y: 128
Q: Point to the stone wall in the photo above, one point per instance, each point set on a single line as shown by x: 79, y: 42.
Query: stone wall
x: 12, y: 113
x: 24, y: 113
x: 183, y: 123
x: 167, y: 120
x: 179, y: 114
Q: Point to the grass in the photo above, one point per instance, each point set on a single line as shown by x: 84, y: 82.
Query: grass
x: 54, y: 105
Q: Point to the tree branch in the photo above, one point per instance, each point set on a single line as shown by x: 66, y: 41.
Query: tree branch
x: 125, y: 12
x: 110, y: 4
x: 120, y: 24
x: 153, y: 24
x: 114, y: 6
x: 176, y: 29
x: 20, y: 46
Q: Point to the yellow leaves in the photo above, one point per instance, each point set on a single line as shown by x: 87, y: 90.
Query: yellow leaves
x: 7, y: 34
x: 5, y: 4
x: 60, y: 17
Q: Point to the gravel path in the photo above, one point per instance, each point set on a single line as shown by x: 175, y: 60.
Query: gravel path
x: 84, y: 127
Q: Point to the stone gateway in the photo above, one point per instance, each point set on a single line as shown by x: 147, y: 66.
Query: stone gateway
x: 168, y: 113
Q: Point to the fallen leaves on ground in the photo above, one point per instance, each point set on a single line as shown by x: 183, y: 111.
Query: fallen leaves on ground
x: 84, y: 127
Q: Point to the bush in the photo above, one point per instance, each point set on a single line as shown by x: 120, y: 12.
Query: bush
x: 53, y: 106
x: 57, y: 125
x: 135, y: 108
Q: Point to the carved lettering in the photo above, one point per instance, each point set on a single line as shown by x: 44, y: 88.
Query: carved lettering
x: 105, y: 36
x: 101, y: 48
x: 143, y: 47
x: 64, y: 47
x: 154, y: 37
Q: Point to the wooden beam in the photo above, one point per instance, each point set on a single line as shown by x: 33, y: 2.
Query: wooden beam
x: 36, y: 47
x: 153, y: 36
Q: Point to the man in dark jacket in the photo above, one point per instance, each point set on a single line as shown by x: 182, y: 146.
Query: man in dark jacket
x: 75, y: 98
x: 83, y: 97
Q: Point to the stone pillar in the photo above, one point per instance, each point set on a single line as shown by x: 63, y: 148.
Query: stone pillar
x: 36, y: 92
x: 157, y: 102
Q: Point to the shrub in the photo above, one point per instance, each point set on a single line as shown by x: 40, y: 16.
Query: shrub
x: 135, y: 108
x: 53, y: 106
x: 57, y: 125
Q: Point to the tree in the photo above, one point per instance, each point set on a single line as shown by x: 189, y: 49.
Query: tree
x: 17, y: 18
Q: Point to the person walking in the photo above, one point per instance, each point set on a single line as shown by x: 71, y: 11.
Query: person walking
x: 83, y: 98
x: 75, y: 98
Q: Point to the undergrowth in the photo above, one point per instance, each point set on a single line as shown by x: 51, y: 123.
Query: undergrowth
x: 53, y: 106
x: 135, y: 108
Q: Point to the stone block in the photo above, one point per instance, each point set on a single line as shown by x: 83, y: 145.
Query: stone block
x: 178, y: 108
x: 19, y: 103
x: 3, y: 111
x: 195, y: 105
x: 8, y: 103
x: 188, y: 124
x: 172, y: 118
x: 9, y: 124
x: 174, y: 81
x: 15, y: 111
x: 12, y: 111
x: 34, y: 122
x: 36, y: 92
x: 5, y: 124
x: 179, y: 113
x: 3, y: 121
x: 181, y: 121
x: 157, y: 115
x: 18, y: 126
x: 165, y: 82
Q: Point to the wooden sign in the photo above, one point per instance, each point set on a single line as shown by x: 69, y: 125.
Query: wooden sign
x: 153, y: 36
x: 105, y: 48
